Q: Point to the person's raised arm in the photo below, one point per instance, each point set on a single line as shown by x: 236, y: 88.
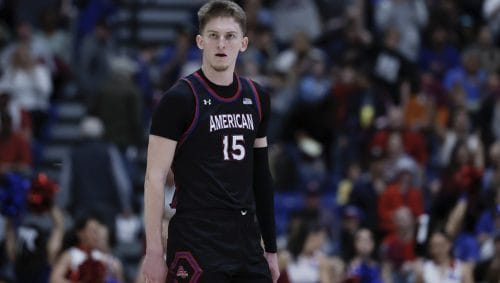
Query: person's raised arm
x: 60, y: 268
x: 10, y: 240
x: 160, y: 155
x: 456, y: 217
x: 56, y: 235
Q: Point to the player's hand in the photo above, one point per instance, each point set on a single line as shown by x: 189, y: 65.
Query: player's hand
x: 272, y: 261
x: 154, y: 268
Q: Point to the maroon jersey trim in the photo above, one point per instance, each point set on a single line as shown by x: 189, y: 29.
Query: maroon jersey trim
x: 214, y: 94
x: 257, y: 97
x: 191, y: 127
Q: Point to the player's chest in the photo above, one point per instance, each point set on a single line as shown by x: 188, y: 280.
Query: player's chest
x: 236, y: 117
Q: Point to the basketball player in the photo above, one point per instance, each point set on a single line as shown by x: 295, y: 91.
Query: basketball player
x: 210, y: 129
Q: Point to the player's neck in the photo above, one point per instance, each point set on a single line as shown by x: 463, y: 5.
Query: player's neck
x: 224, y: 78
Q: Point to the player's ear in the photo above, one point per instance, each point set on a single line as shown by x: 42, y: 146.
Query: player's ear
x: 199, y: 41
x: 244, y: 44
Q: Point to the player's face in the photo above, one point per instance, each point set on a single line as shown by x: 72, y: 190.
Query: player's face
x: 221, y: 40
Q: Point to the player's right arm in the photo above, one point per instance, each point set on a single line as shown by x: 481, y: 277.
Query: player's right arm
x: 170, y: 120
x: 160, y: 154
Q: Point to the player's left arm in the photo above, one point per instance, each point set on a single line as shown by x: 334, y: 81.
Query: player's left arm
x: 264, y: 194
x: 263, y: 189
x: 262, y: 179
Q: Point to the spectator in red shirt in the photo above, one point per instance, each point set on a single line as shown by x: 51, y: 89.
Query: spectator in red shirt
x: 396, y: 195
x: 462, y: 177
x: 15, y: 154
x: 398, y: 248
x: 21, y: 120
x: 413, y: 141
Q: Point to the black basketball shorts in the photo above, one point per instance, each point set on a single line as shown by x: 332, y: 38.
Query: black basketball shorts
x: 215, y: 246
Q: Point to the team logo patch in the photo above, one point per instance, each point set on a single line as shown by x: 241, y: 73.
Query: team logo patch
x: 247, y: 101
x: 181, y: 272
x: 207, y: 101
x: 184, y: 268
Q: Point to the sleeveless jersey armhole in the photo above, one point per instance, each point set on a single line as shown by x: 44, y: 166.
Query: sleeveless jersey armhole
x: 194, y: 122
x: 256, y: 96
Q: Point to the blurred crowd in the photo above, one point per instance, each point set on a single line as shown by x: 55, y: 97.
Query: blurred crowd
x: 385, y: 136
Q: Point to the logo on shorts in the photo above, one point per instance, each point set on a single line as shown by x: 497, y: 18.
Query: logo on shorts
x: 185, y: 268
x: 247, y: 101
x: 181, y: 272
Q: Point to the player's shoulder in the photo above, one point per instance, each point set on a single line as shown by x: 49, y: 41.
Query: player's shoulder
x: 180, y: 88
x: 180, y: 92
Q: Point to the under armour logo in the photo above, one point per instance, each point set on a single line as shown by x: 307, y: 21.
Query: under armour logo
x: 207, y: 102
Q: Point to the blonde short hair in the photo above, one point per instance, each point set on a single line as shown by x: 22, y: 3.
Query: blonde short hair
x: 221, y: 8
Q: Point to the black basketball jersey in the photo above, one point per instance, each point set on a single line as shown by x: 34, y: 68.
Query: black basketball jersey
x: 213, y: 162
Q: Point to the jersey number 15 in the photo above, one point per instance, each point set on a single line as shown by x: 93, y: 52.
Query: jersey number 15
x: 233, y: 147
